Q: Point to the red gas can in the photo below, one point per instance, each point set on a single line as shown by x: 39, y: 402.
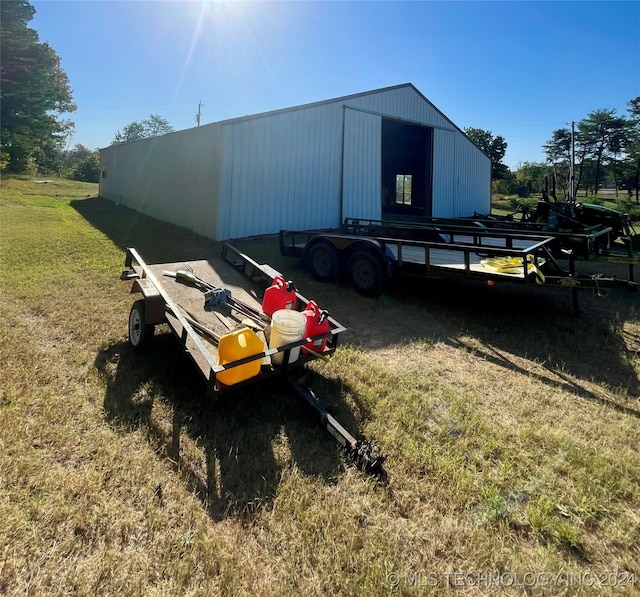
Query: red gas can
x: 280, y: 295
x: 317, y: 323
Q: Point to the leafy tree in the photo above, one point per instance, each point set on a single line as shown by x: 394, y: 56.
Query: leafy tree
x: 150, y: 127
x: 88, y: 170
x: 67, y: 160
x: 604, y: 133
x: 156, y: 125
x: 558, y: 151
x: 631, y: 171
x: 33, y: 91
x: 524, y: 182
x: 598, y: 140
x: 131, y: 132
x: 530, y: 178
x: 494, y: 147
x: 78, y: 154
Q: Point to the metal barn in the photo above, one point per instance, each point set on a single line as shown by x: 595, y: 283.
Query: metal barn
x: 379, y: 154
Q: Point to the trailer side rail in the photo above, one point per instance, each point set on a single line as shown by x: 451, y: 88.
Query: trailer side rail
x: 132, y: 257
x: 464, y: 247
x: 464, y: 258
x: 263, y: 275
x: 587, y: 244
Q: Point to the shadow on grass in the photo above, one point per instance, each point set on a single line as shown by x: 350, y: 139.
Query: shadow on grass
x: 535, y: 323
x: 230, y: 451
x: 156, y: 241
x: 538, y: 324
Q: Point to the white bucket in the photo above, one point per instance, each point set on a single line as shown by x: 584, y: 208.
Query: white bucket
x: 286, y: 326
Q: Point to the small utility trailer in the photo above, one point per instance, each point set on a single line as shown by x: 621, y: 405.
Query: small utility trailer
x: 369, y: 253
x: 233, y: 323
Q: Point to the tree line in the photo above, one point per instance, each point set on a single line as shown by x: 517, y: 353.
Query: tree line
x: 603, y: 147
x: 34, y: 138
x: 34, y: 94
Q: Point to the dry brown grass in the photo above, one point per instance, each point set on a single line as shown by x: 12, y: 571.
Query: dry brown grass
x: 511, y: 431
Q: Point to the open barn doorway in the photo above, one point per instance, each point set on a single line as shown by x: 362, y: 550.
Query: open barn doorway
x: 406, y: 169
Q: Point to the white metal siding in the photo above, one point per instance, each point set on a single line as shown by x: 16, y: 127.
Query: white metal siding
x: 403, y: 103
x: 460, y: 184
x: 461, y: 176
x: 473, y: 188
x: 361, y: 165
x: 173, y: 177
x: 280, y: 172
x: 305, y: 167
x: 444, y: 173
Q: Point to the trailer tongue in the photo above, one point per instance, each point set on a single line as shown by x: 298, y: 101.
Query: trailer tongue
x: 214, y: 310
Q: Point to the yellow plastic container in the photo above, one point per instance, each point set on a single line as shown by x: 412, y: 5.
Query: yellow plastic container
x: 238, y: 345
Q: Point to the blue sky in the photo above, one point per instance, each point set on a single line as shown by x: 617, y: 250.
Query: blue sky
x: 517, y: 69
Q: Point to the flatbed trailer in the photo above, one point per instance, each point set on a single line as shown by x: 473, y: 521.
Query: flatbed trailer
x: 169, y: 298
x: 589, y: 243
x: 370, y: 253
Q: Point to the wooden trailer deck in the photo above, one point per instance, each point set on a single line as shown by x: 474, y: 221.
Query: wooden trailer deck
x: 219, y: 320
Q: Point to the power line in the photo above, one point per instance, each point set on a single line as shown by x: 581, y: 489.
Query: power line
x: 136, y: 107
x: 116, y: 118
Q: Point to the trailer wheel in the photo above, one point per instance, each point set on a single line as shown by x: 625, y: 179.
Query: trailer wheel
x: 322, y: 261
x: 366, y: 273
x: 140, y: 333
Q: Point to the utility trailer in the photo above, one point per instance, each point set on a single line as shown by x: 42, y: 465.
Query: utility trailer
x: 178, y: 294
x: 615, y: 243
x: 370, y: 253
x: 587, y: 243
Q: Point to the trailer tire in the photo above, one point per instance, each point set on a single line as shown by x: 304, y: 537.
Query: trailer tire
x: 322, y: 261
x: 140, y: 333
x: 366, y: 273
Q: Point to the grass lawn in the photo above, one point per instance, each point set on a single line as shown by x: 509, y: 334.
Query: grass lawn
x: 511, y: 430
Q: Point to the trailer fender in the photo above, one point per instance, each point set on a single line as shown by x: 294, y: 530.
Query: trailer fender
x: 154, y: 305
x: 377, y: 248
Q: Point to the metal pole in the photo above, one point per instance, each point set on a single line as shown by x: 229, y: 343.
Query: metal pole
x: 572, y: 191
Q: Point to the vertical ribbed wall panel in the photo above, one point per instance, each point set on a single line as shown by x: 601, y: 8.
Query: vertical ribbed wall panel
x: 473, y: 189
x: 172, y: 177
x: 281, y: 172
x: 361, y: 165
x: 444, y: 172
